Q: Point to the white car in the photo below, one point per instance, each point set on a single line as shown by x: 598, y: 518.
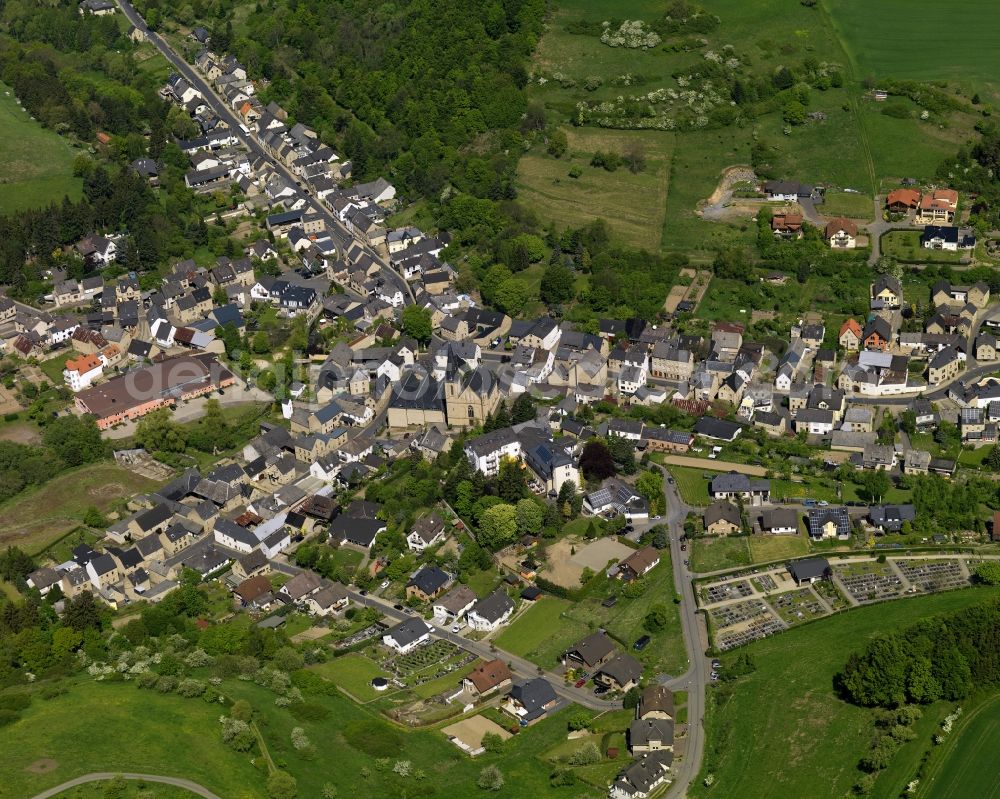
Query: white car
x: 456, y: 628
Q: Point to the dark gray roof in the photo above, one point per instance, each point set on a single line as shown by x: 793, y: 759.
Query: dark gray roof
x: 593, y: 649
x: 720, y: 429
x: 622, y: 669
x: 818, y: 517
x: 408, y: 631
x: 494, y: 606
x: 533, y: 696
x: 642, y: 731
x: 429, y: 580
x: 891, y: 517
x: 808, y: 569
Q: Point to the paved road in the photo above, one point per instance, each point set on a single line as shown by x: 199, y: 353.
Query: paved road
x: 340, y: 233
x: 484, y: 649
x: 696, y: 677
x: 100, y: 776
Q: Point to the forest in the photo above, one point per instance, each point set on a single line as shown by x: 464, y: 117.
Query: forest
x: 943, y: 657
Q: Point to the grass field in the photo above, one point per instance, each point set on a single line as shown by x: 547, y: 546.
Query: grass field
x: 546, y: 630
x: 633, y: 205
x: 843, y: 203
x: 541, y: 633
x: 354, y: 673
x: 712, y: 554
x: 692, y: 484
x: 156, y: 734
x: 134, y: 789
x: 956, y: 41
x: 969, y: 762
x: 789, y: 698
x: 765, y: 548
x: 857, y: 146
x: 36, y: 164
x: 904, y: 245
x: 36, y: 518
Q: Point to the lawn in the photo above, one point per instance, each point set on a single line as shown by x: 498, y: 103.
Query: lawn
x: 904, y: 245
x: 36, y: 518
x: 116, y: 727
x: 353, y: 672
x: 822, y: 737
x: 692, y: 484
x: 544, y: 184
x: 712, y: 554
x: 542, y: 632
x: 968, y: 763
x: 53, y: 367
x: 36, y: 165
x: 767, y: 548
x: 850, y: 204
x: 552, y: 625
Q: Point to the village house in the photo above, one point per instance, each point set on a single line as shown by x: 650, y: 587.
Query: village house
x: 722, y: 518
x: 427, y: 584
x: 850, y: 335
x: 487, y: 678
x: 530, y: 700
x: 841, y: 233
x: 490, y: 613
x: 426, y: 532
x: 832, y: 522
x: 407, y: 635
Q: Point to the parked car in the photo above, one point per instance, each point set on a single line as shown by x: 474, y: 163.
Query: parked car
x: 456, y: 628
x: 580, y: 683
x: 716, y: 664
x: 823, y: 503
x: 641, y: 643
x: 809, y: 503
x: 684, y: 547
x: 397, y: 606
x: 384, y: 585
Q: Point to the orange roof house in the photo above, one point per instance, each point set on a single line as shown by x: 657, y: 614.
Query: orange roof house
x: 902, y: 199
x: 83, y: 363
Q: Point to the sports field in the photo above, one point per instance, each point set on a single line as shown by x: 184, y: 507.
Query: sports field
x: 36, y: 164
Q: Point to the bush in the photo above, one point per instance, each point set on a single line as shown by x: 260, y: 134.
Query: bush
x: 237, y: 734
x: 166, y: 684
x: 562, y: 778
x: 282, y: 785
x: 490, y: 779
x: 192, y: 689
x: 585, y: 755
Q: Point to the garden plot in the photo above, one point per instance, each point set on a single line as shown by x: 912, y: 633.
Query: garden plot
x: 427, y: 663
x: 933, y: 575
x: 796, y: 607
x: 869, y: 581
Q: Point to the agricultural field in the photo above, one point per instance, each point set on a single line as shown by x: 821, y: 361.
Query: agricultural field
x: 36, y: 518
x: 36, y: 165
x: 956, y: 42
x: 967, y: 764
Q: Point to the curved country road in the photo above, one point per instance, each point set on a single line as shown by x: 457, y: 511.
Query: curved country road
x: 187, y: 785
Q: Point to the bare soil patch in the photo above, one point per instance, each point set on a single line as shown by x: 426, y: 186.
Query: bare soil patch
x: 595, y: 555
x: 43, y: 765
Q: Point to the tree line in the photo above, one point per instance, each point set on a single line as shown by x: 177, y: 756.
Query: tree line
x: 943, y: 657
